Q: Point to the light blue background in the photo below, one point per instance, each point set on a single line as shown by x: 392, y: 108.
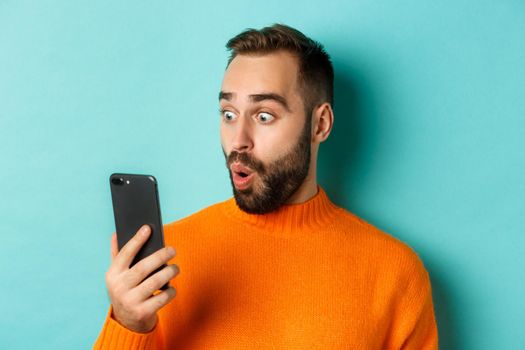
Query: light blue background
x: 428, y: 144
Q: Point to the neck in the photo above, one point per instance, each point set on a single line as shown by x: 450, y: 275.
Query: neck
x: 313, y: 213
x: 308, y: 188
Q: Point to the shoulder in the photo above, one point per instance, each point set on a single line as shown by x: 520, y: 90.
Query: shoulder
x: 203, y: 216
x: 379, y: 246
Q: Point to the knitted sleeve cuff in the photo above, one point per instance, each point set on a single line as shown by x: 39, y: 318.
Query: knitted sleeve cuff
x: 114, y: 336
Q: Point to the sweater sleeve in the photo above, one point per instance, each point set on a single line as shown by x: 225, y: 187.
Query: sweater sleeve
x: 417, y: 327
x: 114, y: 336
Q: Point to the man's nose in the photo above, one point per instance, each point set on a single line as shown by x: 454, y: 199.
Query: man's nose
x: 242, y: 139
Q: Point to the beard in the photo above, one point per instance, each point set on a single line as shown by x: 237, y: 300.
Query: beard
x: 278, y: 180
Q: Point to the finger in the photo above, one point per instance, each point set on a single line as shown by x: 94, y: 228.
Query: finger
x: 131, y: 248
x: 153, y: 283
x: 156, y: 302
x: 114, y: 246
x: 146, y: 266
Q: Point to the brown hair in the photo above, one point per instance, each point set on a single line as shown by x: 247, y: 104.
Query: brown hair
x: 316, y: 74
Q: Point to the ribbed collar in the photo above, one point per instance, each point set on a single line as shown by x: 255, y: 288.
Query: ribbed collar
x: 315, y: 212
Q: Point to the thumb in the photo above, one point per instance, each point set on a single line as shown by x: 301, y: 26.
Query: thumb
x: 114, y: 246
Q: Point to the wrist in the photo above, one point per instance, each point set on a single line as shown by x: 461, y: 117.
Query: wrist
x: 137, y: 327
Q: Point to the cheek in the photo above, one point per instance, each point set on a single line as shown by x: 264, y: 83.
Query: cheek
x: 270, y: 144
x: 225, y: 143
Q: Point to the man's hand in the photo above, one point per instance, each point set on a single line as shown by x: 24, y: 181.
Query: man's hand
x: 134, y: 305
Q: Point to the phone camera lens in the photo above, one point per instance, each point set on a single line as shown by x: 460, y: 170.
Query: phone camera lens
x: 117, y: 181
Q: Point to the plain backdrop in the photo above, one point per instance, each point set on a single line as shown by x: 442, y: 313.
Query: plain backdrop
x: 427, y: 144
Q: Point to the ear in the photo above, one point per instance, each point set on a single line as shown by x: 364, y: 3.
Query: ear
x: 323, y: 120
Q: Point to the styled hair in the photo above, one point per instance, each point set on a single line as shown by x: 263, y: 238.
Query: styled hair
x: 315, y: 73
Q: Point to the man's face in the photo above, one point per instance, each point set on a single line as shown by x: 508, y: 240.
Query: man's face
x: 265, y: 135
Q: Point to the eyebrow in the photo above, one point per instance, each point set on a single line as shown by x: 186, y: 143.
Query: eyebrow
x: 258, y: 98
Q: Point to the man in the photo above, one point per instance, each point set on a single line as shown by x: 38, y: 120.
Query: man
x: 279, y: 266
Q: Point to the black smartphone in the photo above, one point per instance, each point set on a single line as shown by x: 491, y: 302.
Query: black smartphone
x: 136, y: 203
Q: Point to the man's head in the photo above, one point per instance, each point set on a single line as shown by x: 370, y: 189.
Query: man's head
x: 275, y: 100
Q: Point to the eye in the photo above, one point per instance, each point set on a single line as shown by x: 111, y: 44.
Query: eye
x: 265, y: 118
x: 228, y: 116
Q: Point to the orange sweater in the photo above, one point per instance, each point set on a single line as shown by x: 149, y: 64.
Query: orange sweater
x: 308, y: 276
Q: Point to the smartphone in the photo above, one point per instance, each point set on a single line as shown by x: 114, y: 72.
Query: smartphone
x: 136, y: 203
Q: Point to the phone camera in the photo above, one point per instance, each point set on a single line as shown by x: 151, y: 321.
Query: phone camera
x: 117, y: 181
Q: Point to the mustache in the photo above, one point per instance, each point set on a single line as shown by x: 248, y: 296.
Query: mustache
x: 246, y: 160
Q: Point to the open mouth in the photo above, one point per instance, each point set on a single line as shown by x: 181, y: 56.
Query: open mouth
x: 242, y: 176
x: 240, y: 170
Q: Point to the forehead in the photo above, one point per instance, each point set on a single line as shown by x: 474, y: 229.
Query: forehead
x: 275, y: 72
